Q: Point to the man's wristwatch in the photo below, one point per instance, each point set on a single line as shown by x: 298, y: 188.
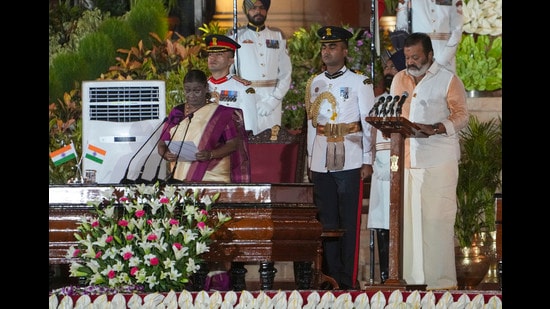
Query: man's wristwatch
x: 435, y: 126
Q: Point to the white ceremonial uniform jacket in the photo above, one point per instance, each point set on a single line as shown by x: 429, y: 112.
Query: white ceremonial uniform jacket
x: 263, y: 59
x: 354, y: 99
x: 442, y: 20
x: 234, y: 93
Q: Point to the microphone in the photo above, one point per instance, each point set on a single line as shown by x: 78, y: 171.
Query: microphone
x: 125, y: 179
x: 390, y: 106
x: 374, y: 109
x: 383, y: 106
x: 399, y: 107
x: 156, y: 177
x: 171, y: 178
x: 140, y: 180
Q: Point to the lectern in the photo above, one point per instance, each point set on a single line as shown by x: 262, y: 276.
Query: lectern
x: 398, y: 128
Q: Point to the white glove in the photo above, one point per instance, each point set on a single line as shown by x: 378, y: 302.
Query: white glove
x: 264, y: 109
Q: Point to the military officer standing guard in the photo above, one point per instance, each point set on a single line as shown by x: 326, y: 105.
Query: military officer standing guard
x: 263, y: 59
x: 229, y: 89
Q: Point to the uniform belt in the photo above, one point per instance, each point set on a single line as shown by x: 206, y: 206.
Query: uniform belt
x: 439, y: 36
x: 383, y: 146
x: 338, y: 129
x: 263, y: 83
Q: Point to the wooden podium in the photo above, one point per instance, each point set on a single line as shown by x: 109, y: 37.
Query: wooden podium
x: 398, y: 128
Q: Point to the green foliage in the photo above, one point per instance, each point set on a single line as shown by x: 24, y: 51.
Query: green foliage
x: 148, y: 16
x: 478, y: 179
x: 479, y: 62
x: 120, y: 32
x: 97, y: 50
x: 66, y: 73
x: 65, y: 127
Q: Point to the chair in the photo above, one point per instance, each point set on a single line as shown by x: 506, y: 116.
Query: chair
x: 277, y: 156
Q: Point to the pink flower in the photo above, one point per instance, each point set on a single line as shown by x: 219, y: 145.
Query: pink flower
x: 140, y: 213
x: 164, y: 200
x: 111, y: 274
x: 95, y: 223
x: 154, y: 261
x: 177, y: 245
x: 124, y: 199
x: 76, y: 252
x: 204, y: 212
x: 201, y: 225
x: 150, y: 222
x: 98, y: 254
x: 129, y: 236
x: 152, y: 237
x: 123, y: 223
x: 133, y: 271
x: 109, y: 239
x: 174, y: 222
x: 127, y: 255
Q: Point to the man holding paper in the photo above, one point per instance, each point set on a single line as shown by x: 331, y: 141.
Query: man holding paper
x: 217, y: 131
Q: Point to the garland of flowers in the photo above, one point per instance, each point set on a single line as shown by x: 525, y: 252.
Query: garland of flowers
x: 148, y: 236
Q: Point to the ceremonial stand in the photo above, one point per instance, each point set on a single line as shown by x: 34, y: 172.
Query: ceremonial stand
x: 398, y: 128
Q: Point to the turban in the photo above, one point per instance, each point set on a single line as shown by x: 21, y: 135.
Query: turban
x: 248, y: 4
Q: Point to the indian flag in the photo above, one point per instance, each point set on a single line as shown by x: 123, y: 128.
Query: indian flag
x: 63, y: 155
x: 95, y: 154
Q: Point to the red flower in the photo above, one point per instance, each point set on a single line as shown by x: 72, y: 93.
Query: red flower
x: 111, y: 274
x: 140, y: 213
x: 122, y: 222
x: 129, y: 236
x: 98, y: 254
x: 154, y: 261
x: 164, y: 200
x: 177, y: 245
x: 174, y: 222
x: 133, y: 271
x: 152, y: 237
x: 109, y: 239
x: 201, y: 225
x: 95, y: 223
x: 127, y: 255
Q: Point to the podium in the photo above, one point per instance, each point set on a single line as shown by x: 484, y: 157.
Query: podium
x: 398, y: 128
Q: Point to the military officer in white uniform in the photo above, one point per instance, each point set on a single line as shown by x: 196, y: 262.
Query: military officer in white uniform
x: 442, y: 20
x: 263, y: 59
x: 229, y: 89
x: 339, y: 145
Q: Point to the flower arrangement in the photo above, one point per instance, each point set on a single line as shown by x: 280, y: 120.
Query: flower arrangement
x: 479, y: 53
x: 145, y: 236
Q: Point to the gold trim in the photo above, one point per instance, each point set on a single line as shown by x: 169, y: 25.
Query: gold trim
x: 263, y: 83
x: 393, y: 165
x: 439, y: 36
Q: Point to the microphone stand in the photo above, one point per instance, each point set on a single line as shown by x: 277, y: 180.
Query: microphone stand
x: 125, y: 179
x: 171, y: 179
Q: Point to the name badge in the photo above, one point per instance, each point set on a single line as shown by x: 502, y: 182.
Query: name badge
x: 272, y: 43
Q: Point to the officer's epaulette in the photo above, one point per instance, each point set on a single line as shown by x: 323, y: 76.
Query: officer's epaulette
x: 367, y: 81
x: 241, y: 80
x: 276, y: 30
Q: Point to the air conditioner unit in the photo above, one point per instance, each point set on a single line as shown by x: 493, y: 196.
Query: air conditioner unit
x: 124, y: 118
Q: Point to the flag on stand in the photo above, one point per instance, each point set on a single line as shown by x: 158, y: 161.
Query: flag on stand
x: 95, y: 154
x: 63, y: 155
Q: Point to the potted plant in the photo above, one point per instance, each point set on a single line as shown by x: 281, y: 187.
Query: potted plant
x: 479, y: 177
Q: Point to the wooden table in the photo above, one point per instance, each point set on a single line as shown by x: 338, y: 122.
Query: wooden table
x: 270, y: 222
